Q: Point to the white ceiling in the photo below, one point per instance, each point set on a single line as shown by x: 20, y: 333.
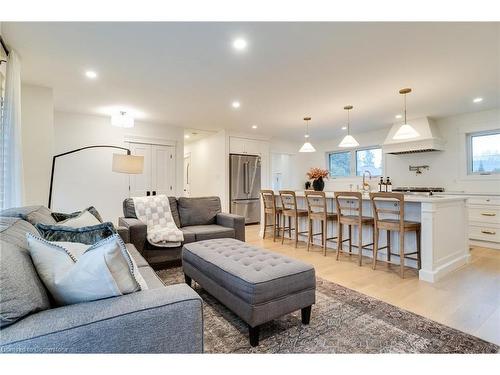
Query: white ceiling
x: 187, y: 74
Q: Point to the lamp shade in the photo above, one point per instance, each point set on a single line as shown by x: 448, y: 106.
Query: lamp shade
x: 406, y: 131
x: 348, y: 141
x: 307, y: 147
x: 130, y: 164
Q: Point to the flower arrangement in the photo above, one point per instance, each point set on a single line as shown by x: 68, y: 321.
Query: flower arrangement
x: 315, y: 173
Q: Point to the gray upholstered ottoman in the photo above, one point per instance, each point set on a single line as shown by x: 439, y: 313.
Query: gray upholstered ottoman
x: 255, y: 284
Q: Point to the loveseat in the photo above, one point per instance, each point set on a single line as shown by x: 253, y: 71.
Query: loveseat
x: 198, y: 218
x: 161, y: 319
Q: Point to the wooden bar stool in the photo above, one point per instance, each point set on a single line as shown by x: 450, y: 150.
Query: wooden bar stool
x: 290, y: 210
x: 270, y: 209
x: 398, y: 224
x: 317, y: 210
x: 345, y: 216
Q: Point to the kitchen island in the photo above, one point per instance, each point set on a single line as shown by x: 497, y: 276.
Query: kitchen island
x: 444, y: 234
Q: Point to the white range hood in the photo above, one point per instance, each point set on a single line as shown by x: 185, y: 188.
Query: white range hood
x: 428, y: 139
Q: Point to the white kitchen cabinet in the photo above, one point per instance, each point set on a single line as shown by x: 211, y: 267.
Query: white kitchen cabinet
x: 484, y: 221
x: 238, y: 145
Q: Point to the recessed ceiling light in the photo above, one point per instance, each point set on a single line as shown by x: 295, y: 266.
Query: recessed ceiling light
x: 344, y: 127
x: 254, y: 126
x: 478, y: 100
x: 236, y: 104
x: 399, y: 116
x: 240, y: 44
x: 91, y: 74
x: 186, y: 136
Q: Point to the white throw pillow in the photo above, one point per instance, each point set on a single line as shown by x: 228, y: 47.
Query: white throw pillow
x: 74, y: 272
x: 85, y: 219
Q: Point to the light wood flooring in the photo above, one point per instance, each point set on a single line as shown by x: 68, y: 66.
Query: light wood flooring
x: 467, y: 299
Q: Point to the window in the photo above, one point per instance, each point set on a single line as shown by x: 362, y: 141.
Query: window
x: 484, y: 153
x: 369, y: 160
x: 339, y: 164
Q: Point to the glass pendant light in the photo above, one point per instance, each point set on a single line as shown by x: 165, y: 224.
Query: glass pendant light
x: 307, y: 146
x: 405, y: 131
x: 348, y: 140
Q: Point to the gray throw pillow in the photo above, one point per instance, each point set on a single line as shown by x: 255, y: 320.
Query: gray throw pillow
x: 22, y: 290
x: 86, y: 235
x: 59, y: 216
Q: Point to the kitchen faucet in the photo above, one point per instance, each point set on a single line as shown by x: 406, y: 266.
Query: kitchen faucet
x: 366, y: 185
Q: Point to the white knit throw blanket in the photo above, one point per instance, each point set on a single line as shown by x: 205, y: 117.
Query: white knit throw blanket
x: 155, y: 212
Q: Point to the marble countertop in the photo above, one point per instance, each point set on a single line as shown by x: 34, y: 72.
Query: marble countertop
x: 408, y: 197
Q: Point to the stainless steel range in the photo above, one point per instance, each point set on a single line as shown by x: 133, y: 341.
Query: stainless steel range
x: 420, y: 190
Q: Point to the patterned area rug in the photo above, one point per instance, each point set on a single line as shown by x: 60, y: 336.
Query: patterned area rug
x: 342, y: 321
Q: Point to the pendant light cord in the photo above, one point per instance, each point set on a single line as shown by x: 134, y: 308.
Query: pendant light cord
x: 348, y: 123
x: 405, y: 106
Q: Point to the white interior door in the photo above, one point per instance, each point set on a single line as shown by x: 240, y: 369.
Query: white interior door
x: 187, y: 175
x: 163, y: 169
x: 140, y: 184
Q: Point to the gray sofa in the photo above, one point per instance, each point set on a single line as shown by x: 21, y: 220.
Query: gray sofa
x: 162, y: 319
x: 198, y: 218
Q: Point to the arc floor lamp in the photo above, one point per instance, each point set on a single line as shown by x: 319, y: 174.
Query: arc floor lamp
x: 128, y: 163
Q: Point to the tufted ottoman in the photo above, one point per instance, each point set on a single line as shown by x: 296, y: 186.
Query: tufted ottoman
x: 257, y: 285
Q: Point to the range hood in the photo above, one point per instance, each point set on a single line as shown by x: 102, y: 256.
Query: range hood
x: 429, y: 138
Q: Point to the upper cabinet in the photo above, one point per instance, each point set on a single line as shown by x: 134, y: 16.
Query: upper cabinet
x: 238, y: 145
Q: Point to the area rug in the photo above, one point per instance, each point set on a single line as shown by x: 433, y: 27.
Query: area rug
x: 342, y: 321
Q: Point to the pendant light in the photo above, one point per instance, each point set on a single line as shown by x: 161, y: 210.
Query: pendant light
x: 307, y: 146
x: 405, y: 131
x: 122, y: 120
x: 348, y: 140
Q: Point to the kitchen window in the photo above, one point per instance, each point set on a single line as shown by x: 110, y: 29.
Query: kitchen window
x: 369, y: 160
x: 354, y: 162
x: 483, y: 153
x: 339, y: 164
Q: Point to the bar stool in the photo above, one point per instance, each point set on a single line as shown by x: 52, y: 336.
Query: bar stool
x: 317, y: 210
x: 270, y: 209
x: 290, y: 210
x: 346, y: 217
x: 399, y: 225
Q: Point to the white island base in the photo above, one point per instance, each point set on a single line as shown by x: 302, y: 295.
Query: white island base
x: 444, y: 235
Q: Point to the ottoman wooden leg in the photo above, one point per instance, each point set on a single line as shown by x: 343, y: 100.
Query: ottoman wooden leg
x: 253, y: 333
x: 306, y: 315
x: 187, y: 279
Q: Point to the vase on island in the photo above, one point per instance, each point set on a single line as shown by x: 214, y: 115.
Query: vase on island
x: 318, y: 184
x: 317, y: 175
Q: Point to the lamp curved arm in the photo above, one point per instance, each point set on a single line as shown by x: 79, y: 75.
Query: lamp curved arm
x: 72, y: 152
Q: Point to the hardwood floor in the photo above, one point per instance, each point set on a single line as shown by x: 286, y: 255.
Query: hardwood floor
x: 468, y: 299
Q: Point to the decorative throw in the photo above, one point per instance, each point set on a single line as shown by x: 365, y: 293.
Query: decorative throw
x: 155, y: 213
x: 74, y: 272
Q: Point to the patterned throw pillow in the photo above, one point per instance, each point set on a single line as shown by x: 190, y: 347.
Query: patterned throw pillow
x: 59, y: 216
x: 86, y: 235
x: 75, y: 273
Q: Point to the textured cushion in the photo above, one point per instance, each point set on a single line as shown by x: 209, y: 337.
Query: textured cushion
x: 86, y: 235
x: 59, y: 216
x: 188, y: 235
x: 13, y: 230
x: 83, y: 219
x: 254, y: 275
x: 129, y: 209
x: 198, y: 211
x: 208, y: 232
x: 75, y: 273
x: 32, y: 214
x: 22, y: 292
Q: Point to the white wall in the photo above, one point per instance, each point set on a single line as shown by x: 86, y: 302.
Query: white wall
x: 209, y: 167
x: 37, y: 119
x: 85, y: 178
x: 444, y: 165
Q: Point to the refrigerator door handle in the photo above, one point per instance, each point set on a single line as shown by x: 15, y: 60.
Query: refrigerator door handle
x: 245, y: 178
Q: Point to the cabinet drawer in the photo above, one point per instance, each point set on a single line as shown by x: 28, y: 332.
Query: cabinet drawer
x: 485, y: 215
x: 495, y: 201
x: 484, y: 233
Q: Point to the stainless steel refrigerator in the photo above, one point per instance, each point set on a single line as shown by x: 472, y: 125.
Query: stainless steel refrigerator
x: 244, y: 183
